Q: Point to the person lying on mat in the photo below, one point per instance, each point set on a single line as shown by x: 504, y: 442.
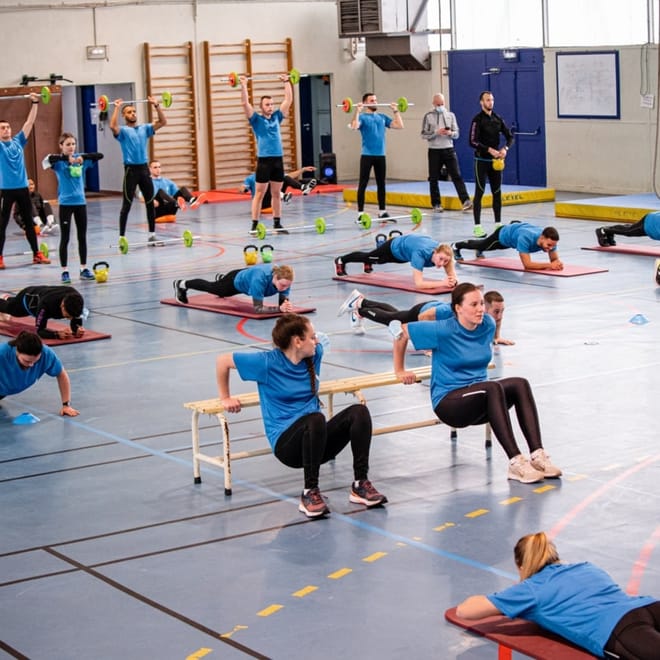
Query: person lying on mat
x: 360, y: 308
x: 461, y: 393
x: 24, y: 360
x: 259, y: 282
x: 649, y: 226
x: 299, y: 434
x: 48, y: 302
x: 291, y: 180
x: 579, y: 601
x: 522, y: 236
x: 418, y: 250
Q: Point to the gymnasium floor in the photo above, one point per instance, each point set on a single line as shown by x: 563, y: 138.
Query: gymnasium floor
x: 109, y: 550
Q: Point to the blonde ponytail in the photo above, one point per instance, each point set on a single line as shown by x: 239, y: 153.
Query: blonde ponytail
x: 533, y: 553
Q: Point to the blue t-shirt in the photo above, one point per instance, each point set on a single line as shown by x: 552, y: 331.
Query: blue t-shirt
x: 267, y: 132
x: 652, y: 225
x: 372, y: 127
x: 459, y: 358
x: 15, y: 379
x: 167, y: 185
x: 414, y: 248
x: 442, y: 309
x: 257, y: 281
x: 580, y: 602
x: 70, y: 189
x: 522, y: 236
x: 285, y: 390
x: 133, y: 143
x: 13, y: 174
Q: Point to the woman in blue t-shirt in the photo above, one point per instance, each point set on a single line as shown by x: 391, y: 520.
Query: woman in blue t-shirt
x: 461, y: 393
x: 580, y: 602
x: 287, y: 379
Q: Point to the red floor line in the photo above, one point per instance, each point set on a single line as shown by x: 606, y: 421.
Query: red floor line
x: 639, y: 566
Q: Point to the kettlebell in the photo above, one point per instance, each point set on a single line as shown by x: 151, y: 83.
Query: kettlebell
x: 75, y: 171
x: 250, y: 253
x: 394, y: 233
x: 101, y: 269
x: 267, y: 253
x: 498, y: 164
x: 380, y: 239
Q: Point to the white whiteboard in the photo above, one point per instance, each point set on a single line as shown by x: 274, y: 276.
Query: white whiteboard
x: 588, y: 85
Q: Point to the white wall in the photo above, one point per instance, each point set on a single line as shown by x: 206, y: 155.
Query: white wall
x: 595, y: 156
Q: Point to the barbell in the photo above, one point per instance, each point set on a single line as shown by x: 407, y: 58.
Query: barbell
x: 402, y: 104
x: 44, y: 93
x: 234, y: 79
x: 165, y: 98
x: 364, y: 219
x: 43, y: 248
x: 187, y: 238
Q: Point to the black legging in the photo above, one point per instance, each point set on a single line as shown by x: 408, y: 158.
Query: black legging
x: 490, y: 402
x: 484, y: 172
x: 381, y: 255
x: 636, y: 229
x: 20, y: 197
x: 79, y: 213
x: 381, y: 312
x: 134, y: 176
x: 167, y: 205
x: 313, y: 440
x: 637, y: 635
x: 490, y: 242
x: 380, y: 170
x: 223, y: 287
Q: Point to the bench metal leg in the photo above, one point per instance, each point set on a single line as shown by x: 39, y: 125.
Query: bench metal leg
x: 197, y: 475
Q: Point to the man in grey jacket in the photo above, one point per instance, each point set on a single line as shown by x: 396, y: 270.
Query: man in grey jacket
x: 440, y: 129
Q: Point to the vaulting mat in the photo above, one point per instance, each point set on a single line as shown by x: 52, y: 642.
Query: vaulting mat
x: 14, y: 325
x: 234, y: 306
x: 520, y: 635
x: 391, y: 281
x: 505, y: 263
x: 644, y: 250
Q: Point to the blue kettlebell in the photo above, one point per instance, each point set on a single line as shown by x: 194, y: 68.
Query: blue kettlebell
x: 380, y: 239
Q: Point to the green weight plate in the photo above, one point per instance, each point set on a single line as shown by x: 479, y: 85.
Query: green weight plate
x: 166, y: 99
x: 123, y: 244
x: 187, y: 238
x: 320, y: 225
x: 365, y: 220
x: 261, y: 231
x: 416, y: 216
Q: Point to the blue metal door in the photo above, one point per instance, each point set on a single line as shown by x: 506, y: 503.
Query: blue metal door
x: 516, y: 82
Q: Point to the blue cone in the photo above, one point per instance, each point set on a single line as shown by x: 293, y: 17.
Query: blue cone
x: 26, y: 418
x: 639, y: 319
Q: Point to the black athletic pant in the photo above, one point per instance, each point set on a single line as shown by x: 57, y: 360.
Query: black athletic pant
x: 381, y: 312
x: 635, y: 229
x: 224, y: 287
x: 167, y: 205
x: 637, y: 635
x: 490, y: 402
x: 381, y: 255
x: 134, y: 176
x: 490, y: 242
x: 313, y: 440
x: 483, y: 173
x: 380, y: 170
x: 447, y: 157
x: 20, y: 197
x: 79, y: 213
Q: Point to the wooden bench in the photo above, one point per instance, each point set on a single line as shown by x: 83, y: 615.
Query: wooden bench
x: 522, y: 636
x: 353, y: 385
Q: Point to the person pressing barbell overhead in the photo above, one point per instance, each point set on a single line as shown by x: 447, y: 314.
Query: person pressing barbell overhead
x: 24, y: 360
x: 270, y: 155
x: 44, y: 303
x: 372, y: 125
x: 418, y: 250
x: 259, y: 282
x: 70, y: 167
x: 133, y: 138
x: 14, y: 180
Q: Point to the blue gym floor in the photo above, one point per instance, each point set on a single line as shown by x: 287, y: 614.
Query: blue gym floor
x: 109, y: 550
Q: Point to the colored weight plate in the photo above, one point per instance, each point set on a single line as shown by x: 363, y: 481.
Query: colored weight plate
x: 187, y: 238
x: 166, y: 99
x: 123, y: 244
x: 416, y: 216
x: 365, y: 220
x: 347, y: 104
x: 320, y: 225
x: 45, y: 95
x: 44, y: 249
x: 103, y: 103
x: 261, y: 231
x: 294, y: 76
x: 402, y: 104
x: 233, y: 79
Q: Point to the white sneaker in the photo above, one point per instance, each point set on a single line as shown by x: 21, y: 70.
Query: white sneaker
x: 520, y: 469
x: 357, y: 324
x: 541, y: 461
x: 351, y: 303
x: 308, y: 187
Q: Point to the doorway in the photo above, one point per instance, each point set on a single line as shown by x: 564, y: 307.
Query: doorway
x: 315, y: 118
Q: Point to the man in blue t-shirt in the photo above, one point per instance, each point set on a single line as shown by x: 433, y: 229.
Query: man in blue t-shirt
x: 372, y: 125
x: 270, y: 155
x: 521, y: 236
x: 649, y: 226
x: 14, y: 181
x: 24, y: 360
x: 133, y: 138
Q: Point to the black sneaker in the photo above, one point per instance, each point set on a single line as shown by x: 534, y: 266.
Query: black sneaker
x: 604, y: 239
x: 277, y: 226
x: 253, y: 229
x: 657, y: 272
x: 179, y: 292
x: 340, y: 269
x: 365, y: 493
x: 383, y: 215
x: 313, y: 504
x: 457, y: 253
x: 368, y: 268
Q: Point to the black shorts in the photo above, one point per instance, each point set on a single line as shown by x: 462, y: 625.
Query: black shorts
x: 270, y: 168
